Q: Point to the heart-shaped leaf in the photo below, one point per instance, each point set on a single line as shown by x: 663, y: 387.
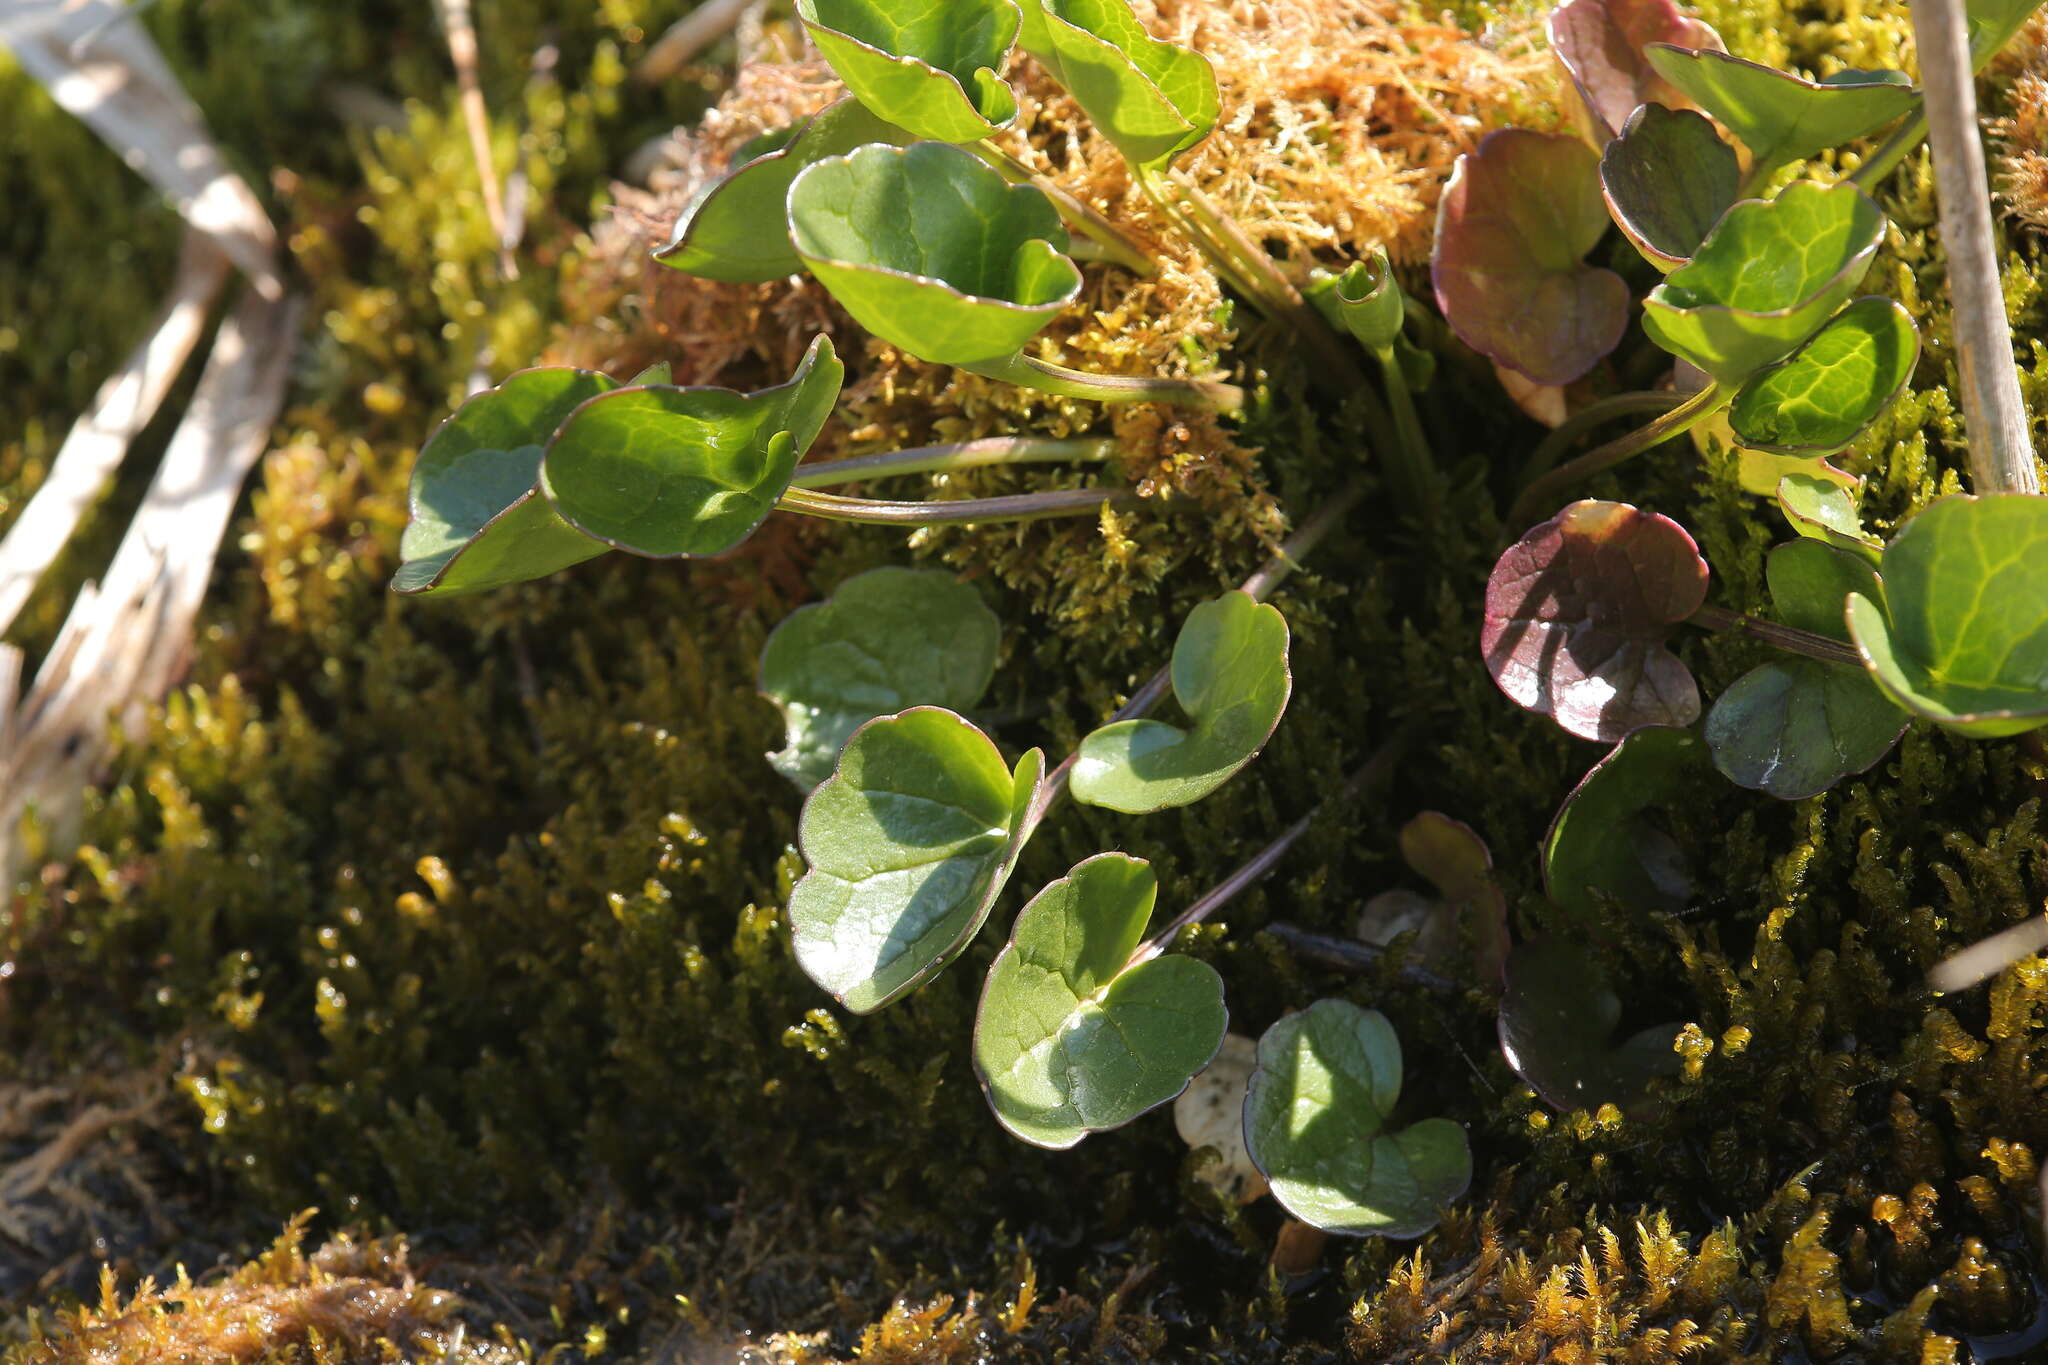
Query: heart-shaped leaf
x: 1367, y: 300
x: 1962, y: 635
x: 933, y: 69
x: 1766, y: 278
x: 1514, y: 223
x: 737, y: 228
x: 1795, y: 727
x: 1316, y: 1122
x: 1230, y: 675
x: 662, y: 471
x: 887, y: 640
x: 1452, y: 857
x: 1601, y: 42
x: 1070, y: 1039
x: 1824, y: 509
x: 1819, y: 399
x: 909, y: 843
x: 1557, y: 1019
x: 1576, y: 616
x: 477, y: 520
x: 1603, y: 839
x: 1152, y: 99
x: 932, y: 250
x: 1781, y: 117
x: 1668, y: 178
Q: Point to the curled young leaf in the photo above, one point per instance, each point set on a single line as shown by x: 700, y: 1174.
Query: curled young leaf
x: 1667, y: 179
x: 1824, y: 509
x: 477, y: 519
x: 1070, y: 1039
x: 1781, y: 117
x: 725, y: 232
x: 886, y: 640
x: 1576, y: 616
x: 1512, y: 229
x: 1731, y: 318
x: 1794, y: 727
x: 1822, y: 396
x: 1601, y: 42
x: 933, y: 69
x: 932, y: 250
x: 1961, y: 636
x: 1367, y: 300
x: 1230, y: 675
x: 1153, y: 100
x: 1316, y: 1121
x: 1557, y: 1019
x: 1603, y: 841
x: 664, y: 472
x: 909, y: 843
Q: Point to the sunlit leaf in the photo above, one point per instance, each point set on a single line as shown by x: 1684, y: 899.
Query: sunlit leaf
x: 1605, y: 838
x: 909, y: 843
x: 737, y: 227
x: 1821, y: 397
x: 1766, y: 278
x: 1668, y: 178
x: 887, y: 640
x: 664, y: 471
x: 1366, y: 300
x: 1794, y: 727
x: 477, y: 519
x: 1601, y: 44
x: 1230, y: 676
x: 1576, y: 616
x: 932, y: 250
x: 1514, y: 223
x: 1316, y: 1119
x: 1781, y: 117
x: 1962, y: 635
x: 1557, y: 1019
x: 1069, y: 1039
x: 1824, y: 509
x: 1152, y: 99
x: 1452, y: 857
x: 934, y: 69
x: 1992, y: 23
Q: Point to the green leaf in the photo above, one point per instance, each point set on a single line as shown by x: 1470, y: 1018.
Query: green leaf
x: 1781, y: 117
x: 1667, y: 180
x: 1962, y: 635
x: 1369, y: 302
x: 1766, y: 278
x: 908, y: 843
x: 477, y: 520
x: 1603, y: 839
x: 1795, y: 727
x: 1600, y: 43
x: 664, y: 472
x: 1152, y: 99
x: 1824, y: 509
x: 1992, y: 23
x: 736, y: 229
x: 888, y: 639
x: 1577, y: 612
x: 1316, y: 1123
x: 1070, y: 1039
x: 934, y: 69
x: 1230, y: 675
x: 1821, y: 398
x: 1512, y: 229
x: 933, y: 251
x: 1556, y: 1025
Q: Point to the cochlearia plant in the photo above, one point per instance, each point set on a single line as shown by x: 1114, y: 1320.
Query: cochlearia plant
x: 898, y: 201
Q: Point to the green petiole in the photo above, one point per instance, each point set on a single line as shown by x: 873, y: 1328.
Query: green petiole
x: 1678, y: 420
x: 1059, y: 502
x: 940, y: 459
x: 1210, y: 395
x: 1112, y: 244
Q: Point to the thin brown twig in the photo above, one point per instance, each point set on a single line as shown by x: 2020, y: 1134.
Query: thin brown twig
x: 458, y: 23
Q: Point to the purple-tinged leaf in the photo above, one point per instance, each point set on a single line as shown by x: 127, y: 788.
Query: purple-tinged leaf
x: 1557, y: 1019
x: 1668, y: 179
x: 1600, y: 43
x: 1576, y: 616
x: 1515, y: 222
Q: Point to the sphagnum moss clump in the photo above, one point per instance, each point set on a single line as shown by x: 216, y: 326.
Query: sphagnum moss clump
x: 473, y: 917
